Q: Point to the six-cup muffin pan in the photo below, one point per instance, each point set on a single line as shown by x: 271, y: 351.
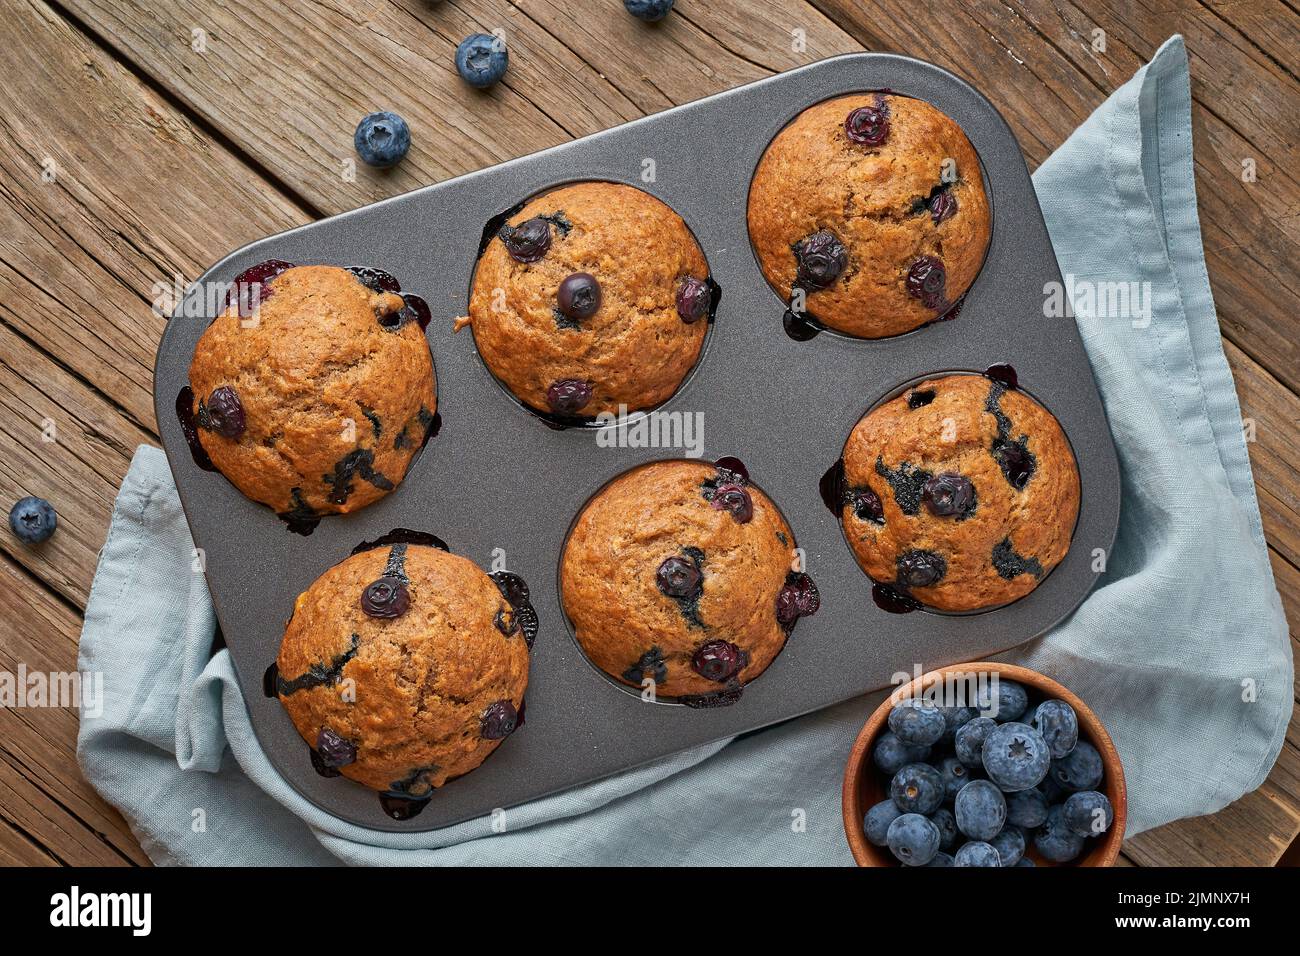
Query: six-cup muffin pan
x: 501, y: 486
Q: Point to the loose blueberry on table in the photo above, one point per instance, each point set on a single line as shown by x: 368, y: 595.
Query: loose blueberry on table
x: 382, y: 139
x: 32, y: 520
x: 648, y: 10
x: 481, y: 60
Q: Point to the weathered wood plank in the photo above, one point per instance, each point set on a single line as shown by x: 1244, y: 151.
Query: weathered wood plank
x: 39, y: 743
x: 80, y: 254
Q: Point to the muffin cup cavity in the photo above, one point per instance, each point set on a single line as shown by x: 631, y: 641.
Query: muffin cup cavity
x: 906, y: 282
x: 602, y: 292
x: 943, y: 496
x: 670, y: 596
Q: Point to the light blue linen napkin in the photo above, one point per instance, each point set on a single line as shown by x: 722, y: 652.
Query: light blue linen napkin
x: 1182, y: 649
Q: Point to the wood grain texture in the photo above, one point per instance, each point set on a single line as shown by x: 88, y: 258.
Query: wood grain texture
x: 167, y: 157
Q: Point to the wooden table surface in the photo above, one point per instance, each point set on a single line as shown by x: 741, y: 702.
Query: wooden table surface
x: 142, y: 141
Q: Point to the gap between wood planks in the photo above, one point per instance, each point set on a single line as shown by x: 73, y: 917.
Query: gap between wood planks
x: 197, y: 115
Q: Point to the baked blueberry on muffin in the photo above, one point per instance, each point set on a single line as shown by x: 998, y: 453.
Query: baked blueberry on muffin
x: 592, y: 296
x: 404, y: 666
x: 316, y: 400
x: 961, y: 492
x: 868, y: 213
x: 680, y: 573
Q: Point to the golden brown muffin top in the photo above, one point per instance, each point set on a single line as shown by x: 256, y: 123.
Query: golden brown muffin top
x: 635, y: 349
x: 964, y: 478
x: 417, y: 698
x: 880, y: 204
x: 732, y: 554
x: 336, y: 388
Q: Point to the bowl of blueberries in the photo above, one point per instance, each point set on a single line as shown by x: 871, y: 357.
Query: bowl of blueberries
x: 984, y: 764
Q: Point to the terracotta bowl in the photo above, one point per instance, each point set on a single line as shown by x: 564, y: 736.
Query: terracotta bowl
x: 865, y: 786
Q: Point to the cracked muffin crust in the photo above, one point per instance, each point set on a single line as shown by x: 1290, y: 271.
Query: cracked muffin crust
x: 871, y: 208
x: 594, y: 295
x: 317, y: 402
x: 961, y: 492
x: 680, y: 573
x: 403, y: 667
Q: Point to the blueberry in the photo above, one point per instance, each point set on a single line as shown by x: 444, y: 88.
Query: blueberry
x: 866, y: 505
x: 1080, y: 769
x: 481, y: 59
x: 1016, y: 756
x: 821, y: 259
x: 977, y: 853
x: 648, y: 10
x: 334, y: 750
x: 252, y: 287
x: 386, y: 598
x: 1028, y: 718
x: 981, y: 810
x: 694, y: 299
x: 876, y: 823
x: 1025, y: 861
x: 568, y: 396
x: 1055, y: 841
x: 1088, y: 813
x: 797, y: 598
x: 948, y: 494
x: 913, y: 839
x: 917, y: 788
x: 579, y: 295
x: 33, y: 520
x: 1052, y: 791
x: 499, y: 720
x: 955, y: 776
x: 376, y: 279
x: 868, y: 125
x: 968, y: 742
x: 1059, y: 725
x: 1012, y: 699
x: 919, y: 398
x: 941, y: 859
x: 943, y: 206
x: 947, y: 824
x: 925, y: 281
x: 223, y: 413
x: 1027, y: 808
x: 528, y: 241
x: 954, y: 718
x: 734, y: 498
x: 916, y: 722
x: 919, y: 569
x: 718, y: 661
x: 1010, y: 844
x: 678, y: 577
x: 382, y: 139
x: 891, y: 754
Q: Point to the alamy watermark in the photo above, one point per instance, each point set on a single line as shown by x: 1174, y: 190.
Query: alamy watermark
x: 24, y: 688
x: 680, y: 430
x: 1089, y: 299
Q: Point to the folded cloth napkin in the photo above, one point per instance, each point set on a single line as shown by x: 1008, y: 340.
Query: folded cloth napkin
x: 1182, y: 649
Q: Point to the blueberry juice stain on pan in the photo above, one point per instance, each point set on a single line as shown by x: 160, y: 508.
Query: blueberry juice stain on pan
x: 301, y: 518
x: 407, y: 797
x: 835, y: 494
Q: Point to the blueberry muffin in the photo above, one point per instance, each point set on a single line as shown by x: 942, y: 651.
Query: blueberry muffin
x: 962, y: 492
x: 592, y: 296
x: 680, y: 573
x: 868, y: 212
x: 314, y: 396
x: 404, y: 666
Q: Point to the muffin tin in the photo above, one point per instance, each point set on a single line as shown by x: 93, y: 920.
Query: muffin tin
x: 497, y: 477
